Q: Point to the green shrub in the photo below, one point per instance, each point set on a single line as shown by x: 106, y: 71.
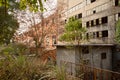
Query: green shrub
x: 15, y: 66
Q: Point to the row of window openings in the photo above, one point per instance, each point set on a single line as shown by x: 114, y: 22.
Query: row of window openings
x: 102, y: 7
x: 101, y: 34
x: 97, y: 22
x: 98, y: 9
x: 78, y: 16
x: 78, y: 7
x: 117, y: 3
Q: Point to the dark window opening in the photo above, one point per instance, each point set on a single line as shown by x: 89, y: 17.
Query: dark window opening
x: 116, y: 2
x: 93, y: 1
x: 97, y: 22
x: 93, y: 34
x: 65, y: 21
x: 105, y: 33
x: 103, y: 56
x: 104, y: 20
x: 79, y: 15
x: 94, y: 11
x: 118, y: 14
x: 97, y: 34
x: 87, y: 36
x: 92, y: 23
x: 87, y: 24
x: 85, y: 49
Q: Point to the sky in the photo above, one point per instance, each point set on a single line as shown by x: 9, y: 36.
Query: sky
x: 25, y: 17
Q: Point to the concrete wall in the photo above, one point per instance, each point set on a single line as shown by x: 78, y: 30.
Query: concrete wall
x: 94, y: 56
x: 68, y: 55
x: 65, y: 54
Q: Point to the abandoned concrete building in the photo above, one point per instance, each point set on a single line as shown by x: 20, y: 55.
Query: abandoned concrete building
x: 99, y: 17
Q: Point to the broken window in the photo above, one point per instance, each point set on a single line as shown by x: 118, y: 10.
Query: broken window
x: 93, y: 1
x: 85, y: 49
x: 117, y: 2
x: 94, y: 35
x: 118, y: 14
x: 92, y: 23
x: 87, y: 35
x: 87, y: 24
x: 104, y: 20
x: 97, y: 34
x: 94, y: 11
x: 97, y: 22
x: 65, y: 21
x: 79, y: 15
x: 105, y: 33
x: 103, y: 56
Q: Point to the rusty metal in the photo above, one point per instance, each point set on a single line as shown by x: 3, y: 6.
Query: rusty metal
x: 85, y: 72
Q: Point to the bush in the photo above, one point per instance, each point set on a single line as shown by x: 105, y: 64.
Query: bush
x: 21, y: 68
x: 15, y: 66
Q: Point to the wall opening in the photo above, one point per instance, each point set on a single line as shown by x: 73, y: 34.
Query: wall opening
x: 79, y: 15
x: 118, y: 14
x: 97, y: 34
x: 92, y: 23
x: 85, y: 49
x: 117, y: 2
x: 93, y: 1
x: 103, y: 56
x: 87, y: 35
x: 104, y: 20
x: 87, y: 24
x: 97, y: 22
x: 105, y: 33
x: 94, y: 11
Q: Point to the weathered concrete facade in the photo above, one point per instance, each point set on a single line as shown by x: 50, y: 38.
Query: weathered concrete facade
x: 99, y: 56
x: 99, y: 17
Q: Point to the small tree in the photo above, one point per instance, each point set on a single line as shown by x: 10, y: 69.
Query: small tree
x: 74, y: 32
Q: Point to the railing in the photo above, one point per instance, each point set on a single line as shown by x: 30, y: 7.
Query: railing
x: 85, y: 72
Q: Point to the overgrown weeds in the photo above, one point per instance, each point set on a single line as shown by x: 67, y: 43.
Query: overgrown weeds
x: 16, y: 66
